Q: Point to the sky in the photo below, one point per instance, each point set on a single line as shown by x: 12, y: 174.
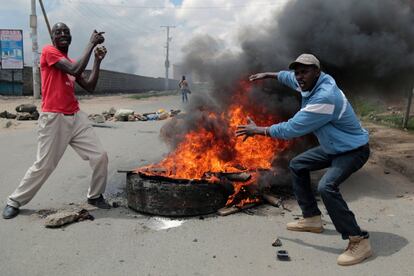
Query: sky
x: 133, y: 34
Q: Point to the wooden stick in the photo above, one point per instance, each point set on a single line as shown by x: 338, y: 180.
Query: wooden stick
x: 271, y: 199
x: 125, y: 170
x: 225, y: 211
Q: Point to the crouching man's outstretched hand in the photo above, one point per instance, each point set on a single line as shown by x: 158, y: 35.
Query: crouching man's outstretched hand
x: 247, y: 130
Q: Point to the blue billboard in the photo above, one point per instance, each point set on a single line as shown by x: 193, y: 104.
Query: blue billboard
x: 11, y: 45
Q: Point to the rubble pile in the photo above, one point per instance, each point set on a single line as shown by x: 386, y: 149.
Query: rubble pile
x: 24, y: 112
x: 129, y: 115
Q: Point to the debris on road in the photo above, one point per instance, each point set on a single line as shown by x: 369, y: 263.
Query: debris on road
x: 123, y: 114
x: 27, y: 112
x: 102, y: 125
x: 284, y: 207
x: 97, y: 118
x: 26, y: 108
x: 225, y: 211
x: 7, y: 115
x: 43, y: 213
x: 24, y: 112
x: 26, y: 116
x: 61, y: 218
x: 129, y: 115
x: 277, y: 243
x: 283, y: 255
x: 84, y: 215
x: 272, y: 199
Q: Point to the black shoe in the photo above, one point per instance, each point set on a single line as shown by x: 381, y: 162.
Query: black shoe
x: 10, y: 212
x: 99, y: 202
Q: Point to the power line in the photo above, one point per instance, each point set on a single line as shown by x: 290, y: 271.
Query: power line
x: 178, y: 7
x: 84, y: 15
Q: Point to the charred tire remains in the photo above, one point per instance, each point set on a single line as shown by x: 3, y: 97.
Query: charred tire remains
x: 166, y: 197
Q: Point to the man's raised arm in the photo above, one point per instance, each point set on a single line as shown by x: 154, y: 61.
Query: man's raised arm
x: 77, y: 68
x: 261, y: 76
x: 89, y: 83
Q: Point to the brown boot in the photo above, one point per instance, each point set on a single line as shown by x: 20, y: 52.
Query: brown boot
x: 311, y: 224
x: 358, y: 250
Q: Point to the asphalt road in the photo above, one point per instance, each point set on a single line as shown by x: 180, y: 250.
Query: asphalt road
x: 123, y: 242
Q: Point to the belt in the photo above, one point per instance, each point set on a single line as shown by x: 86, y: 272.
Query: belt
x: 69, y: 114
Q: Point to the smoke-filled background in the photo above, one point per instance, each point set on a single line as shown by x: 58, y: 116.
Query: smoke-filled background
x: 367, y: 46
x: 361, y: 43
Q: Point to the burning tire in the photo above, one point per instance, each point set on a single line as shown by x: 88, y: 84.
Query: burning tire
x: 164, y: 197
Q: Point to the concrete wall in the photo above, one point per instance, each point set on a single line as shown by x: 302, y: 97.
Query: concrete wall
x: 116, y: 82
x: 109, y: 82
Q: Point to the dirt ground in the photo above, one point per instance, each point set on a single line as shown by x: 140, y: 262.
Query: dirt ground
x: 391, y: 148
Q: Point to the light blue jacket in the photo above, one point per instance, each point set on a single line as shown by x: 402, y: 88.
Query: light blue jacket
x: 326, y: 112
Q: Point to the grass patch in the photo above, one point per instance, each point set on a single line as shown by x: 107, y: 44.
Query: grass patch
x: 150, y: 94
x: 376, y: 111
x: 364, y: 107
x: 392, y: 120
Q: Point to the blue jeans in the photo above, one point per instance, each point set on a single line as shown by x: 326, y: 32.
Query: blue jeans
x: 184, y: 96
x: 340, y: 167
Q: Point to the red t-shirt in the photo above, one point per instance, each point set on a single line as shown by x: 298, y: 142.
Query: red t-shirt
x: 58, y: 87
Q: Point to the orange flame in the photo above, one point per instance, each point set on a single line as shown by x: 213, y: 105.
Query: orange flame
x: 216, y: 149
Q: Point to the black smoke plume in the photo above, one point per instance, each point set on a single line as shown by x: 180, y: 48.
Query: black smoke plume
x: 361, y: 43
x: 364, y: 45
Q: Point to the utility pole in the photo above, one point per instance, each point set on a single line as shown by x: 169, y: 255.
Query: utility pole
x: 167, y: 61
x: 33, y: 34
x: 46, y: 19
x: 407, y: 111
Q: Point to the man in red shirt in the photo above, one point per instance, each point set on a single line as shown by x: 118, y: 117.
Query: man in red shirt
x: 61, y: 123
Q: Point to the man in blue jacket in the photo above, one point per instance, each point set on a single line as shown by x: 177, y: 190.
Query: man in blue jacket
x: 343, y: 149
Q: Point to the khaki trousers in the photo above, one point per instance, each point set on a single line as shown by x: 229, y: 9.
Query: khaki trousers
x: 55, y: 132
